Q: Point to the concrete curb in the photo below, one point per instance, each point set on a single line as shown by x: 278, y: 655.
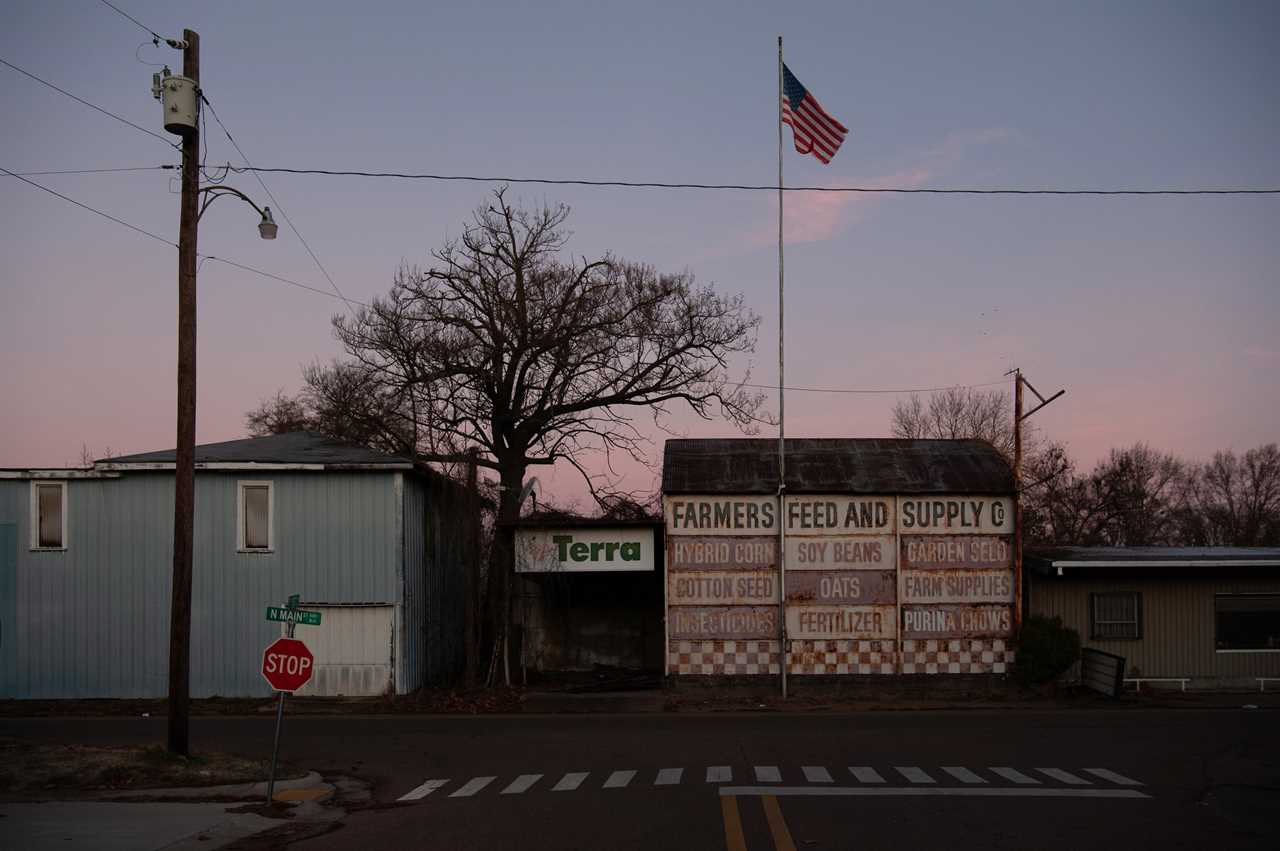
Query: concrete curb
x: 312, y: 782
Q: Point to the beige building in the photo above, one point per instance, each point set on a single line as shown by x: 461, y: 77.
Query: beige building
x: 1182, y: 617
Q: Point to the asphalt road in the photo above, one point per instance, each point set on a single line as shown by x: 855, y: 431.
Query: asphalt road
x: 892, y: 780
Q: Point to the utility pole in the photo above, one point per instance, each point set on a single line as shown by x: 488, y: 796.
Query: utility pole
x: 1018, y: 417
x: 184, y: 467
x: 1017, y: 500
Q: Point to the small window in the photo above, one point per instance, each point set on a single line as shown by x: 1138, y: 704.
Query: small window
x: 1247, y: 621
x: 48, y: 515
x: 255, y: 524
x: 1114, y: 616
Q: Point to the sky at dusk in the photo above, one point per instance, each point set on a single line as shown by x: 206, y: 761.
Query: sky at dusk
x: 1158, y: 315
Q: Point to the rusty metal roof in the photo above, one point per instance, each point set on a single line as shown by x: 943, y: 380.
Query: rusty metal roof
x: 835, y: 466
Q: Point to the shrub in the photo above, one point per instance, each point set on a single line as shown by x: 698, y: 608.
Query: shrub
x: 1046, y: 649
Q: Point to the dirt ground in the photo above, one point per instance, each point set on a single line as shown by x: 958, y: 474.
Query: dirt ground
x: 28, y: 767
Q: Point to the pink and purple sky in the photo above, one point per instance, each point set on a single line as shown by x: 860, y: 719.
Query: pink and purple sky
x: 1157, y: 314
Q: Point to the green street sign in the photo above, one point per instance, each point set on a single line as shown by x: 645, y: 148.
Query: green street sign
x: 276, y: 613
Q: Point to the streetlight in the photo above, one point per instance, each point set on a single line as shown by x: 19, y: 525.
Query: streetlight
x: 180, y: 97
x: 266, y: 228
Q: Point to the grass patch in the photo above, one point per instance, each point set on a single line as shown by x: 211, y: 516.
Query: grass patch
x: 36, y: 767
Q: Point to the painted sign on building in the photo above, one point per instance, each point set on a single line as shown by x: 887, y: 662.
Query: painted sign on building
x: 845, y: 552
x: 584, y: 549
x: 864, y: 622
x: 949, y: 515
x: 948, y: 621
x: 839, y: 515
x: 722, y: 622
x: 734, y: 515
x: 722, y: 587
x: 867, y: 576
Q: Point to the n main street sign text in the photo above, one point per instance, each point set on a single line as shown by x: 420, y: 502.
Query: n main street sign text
x: 277, y: 613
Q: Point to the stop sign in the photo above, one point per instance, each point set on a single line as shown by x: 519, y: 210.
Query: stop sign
x: 287, y: 664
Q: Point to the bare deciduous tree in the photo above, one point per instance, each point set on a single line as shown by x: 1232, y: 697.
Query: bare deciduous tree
x: 508, y: 346
x: 959, y: 413
x: 1234, y: 500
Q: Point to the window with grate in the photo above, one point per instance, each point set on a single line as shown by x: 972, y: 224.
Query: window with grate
x: 1115, y: 615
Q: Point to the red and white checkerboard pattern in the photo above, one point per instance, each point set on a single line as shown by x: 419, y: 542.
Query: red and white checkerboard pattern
x: 841, y: 656
x: 724, y: 657
x: 957, y: 656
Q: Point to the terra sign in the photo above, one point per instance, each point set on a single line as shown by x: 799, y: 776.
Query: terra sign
x: 584, y: 549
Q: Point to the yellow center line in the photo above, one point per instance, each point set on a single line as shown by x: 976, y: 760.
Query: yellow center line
x: 777, y: 824
x: 733, y: 838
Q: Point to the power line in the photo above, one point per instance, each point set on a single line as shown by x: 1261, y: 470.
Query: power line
x: 144, y: 27
x: 751, y: 187
x: 878, y: 390
x: 327, y: 294
x: 93, y: 170
x: 90, y: 105
x: 279, y: 206
x: 292, y: 283
x: 90, y: 209
x: 167, y: 242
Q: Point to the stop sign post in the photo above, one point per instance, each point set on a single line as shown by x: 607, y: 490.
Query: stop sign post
x: 288, y: 665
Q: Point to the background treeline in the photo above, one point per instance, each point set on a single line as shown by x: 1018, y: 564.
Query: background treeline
x: 1137, y: 496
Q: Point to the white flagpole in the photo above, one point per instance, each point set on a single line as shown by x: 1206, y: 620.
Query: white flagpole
x: 782, y: 430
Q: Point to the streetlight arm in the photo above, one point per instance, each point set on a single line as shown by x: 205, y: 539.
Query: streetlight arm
x: 213, y: 192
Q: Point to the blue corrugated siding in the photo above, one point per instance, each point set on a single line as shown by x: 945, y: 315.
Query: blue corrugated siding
x: 94, y: 621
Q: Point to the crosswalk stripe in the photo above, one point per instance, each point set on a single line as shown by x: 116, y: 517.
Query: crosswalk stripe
x: 521, y: 784
x: 719, y: 774
x: 570, y: 781
x: 422, y: 791
x: 619, y: 779
x: 1119, y: 779
x: 817, y: 774
x: 962, y: 774
x: 1063, y: 776
x: 768, y: 774
x: 1014, y: 775
x: 668, y: 777
x: 865, y: 774
x: 913, y: 774
x: 475, y: 784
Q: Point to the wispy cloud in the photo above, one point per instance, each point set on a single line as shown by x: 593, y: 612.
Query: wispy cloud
x: 818, y: 216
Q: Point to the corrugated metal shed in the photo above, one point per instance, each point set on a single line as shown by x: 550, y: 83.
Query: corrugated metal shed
x: 835, y: 466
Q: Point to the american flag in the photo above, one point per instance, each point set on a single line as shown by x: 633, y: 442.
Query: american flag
x: 814, y: 130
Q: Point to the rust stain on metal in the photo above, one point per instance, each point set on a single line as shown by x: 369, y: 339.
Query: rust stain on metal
x: 942, y: 552
x: 722, y: 552
x: 842, y: 586
x: 956, y: 621
x: 723, y: 622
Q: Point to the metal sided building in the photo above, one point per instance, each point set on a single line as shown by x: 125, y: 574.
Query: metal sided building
x: 86, y: 560
x: 899, y: 557
x: 1193, y: 617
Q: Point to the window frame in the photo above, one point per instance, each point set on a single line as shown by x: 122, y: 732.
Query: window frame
x: 240, y: 519
x: 1220, y: 594
x: 36, y: 484
x: 1094, y: 596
